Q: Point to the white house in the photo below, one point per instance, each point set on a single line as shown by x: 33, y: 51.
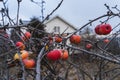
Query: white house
x: 58, y: 25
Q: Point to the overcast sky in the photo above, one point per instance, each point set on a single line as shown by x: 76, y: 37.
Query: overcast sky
x: 76, y: 12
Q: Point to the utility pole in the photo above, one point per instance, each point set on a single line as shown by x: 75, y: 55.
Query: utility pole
x: 42, y: 9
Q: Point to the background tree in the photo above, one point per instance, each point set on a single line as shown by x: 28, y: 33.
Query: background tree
x: 39, y: 31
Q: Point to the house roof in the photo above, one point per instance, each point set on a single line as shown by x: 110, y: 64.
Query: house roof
x: 61, y: 20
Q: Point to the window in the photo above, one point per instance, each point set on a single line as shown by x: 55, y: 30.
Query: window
x: 57, y: 29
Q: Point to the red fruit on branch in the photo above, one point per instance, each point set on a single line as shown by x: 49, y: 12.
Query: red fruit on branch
x: 75, y: 39
x: 54, y: 55
x: 20, y: 45
x: 29, y: 63
x: 105, y: 29
x: 106, y: 41
x: 24, y: 54
x: 64, y: 54
x: 58, y: 39
x: 97, y: 28
x: 27, y: 35
x: 89, y: 46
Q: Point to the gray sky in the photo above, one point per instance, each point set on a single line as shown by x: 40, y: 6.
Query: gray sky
x: 77, y: 12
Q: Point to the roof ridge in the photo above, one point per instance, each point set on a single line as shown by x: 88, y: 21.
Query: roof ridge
x: 57, y: 16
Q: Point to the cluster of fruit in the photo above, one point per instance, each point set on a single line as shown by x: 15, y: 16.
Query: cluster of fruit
x: 103, y: 29
x: 23, y: 54
x: 57, y: 54
x: 73, y: 39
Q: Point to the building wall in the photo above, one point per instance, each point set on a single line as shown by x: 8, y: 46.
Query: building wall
x: 57, y: 22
